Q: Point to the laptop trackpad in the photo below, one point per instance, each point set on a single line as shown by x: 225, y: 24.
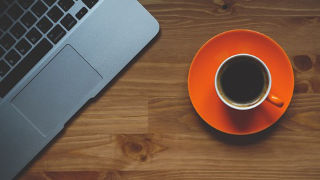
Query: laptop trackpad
x: 57, y: 90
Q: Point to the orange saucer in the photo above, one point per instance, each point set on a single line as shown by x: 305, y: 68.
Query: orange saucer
x: 202, y: 75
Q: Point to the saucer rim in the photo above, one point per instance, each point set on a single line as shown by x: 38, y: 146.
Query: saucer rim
x: 222, y: 34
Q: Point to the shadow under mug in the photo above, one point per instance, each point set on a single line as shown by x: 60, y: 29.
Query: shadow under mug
x: 265, y: 95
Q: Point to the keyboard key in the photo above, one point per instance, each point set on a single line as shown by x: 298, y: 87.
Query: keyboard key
x: 49, y: 2
x: 7, y: 41
x: 28, y: 19
x: 90, y: 3
x: 44, y: 25
x: 5, y: 23
x: 12, y: 57
x: 66, y: 4
x: 55, y: 14
x: 68, y: 22
x: 17, y: 30
x: 15, y: 11
x: 81, y: 13
x: 3, y: 6
x: 56, y: 34
x: 24, y: 66
x: 25, y: 3
x: 10, y: 1
x: 34, y: 36
x: 1, y: 52
x: 4, y: 68
x: 23, y: 46
x: 39, y: 9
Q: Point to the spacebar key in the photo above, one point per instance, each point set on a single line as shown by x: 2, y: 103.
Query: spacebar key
x: 24, y: 66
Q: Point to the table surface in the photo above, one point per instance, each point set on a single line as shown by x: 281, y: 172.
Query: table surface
x: 143, y: 126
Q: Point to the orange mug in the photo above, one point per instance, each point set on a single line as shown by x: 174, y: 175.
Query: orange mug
x: 243, y: 82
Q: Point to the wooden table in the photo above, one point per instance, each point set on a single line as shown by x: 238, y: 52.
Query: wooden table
x: 143, y: 125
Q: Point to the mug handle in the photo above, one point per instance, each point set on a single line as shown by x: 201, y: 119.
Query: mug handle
x: 275, y: 100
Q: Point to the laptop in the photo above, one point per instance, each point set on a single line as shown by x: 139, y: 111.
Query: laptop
x: 55, y: 55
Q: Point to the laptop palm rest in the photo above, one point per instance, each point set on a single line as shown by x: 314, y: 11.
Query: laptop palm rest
x: 49, y: 99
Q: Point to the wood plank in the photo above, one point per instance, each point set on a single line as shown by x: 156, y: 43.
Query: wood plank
x: 143, y: 125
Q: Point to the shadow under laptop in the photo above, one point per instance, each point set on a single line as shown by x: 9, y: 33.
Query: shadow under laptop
x: 100, y: 94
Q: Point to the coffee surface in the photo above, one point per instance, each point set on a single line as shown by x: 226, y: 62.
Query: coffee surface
x: 243, y: 80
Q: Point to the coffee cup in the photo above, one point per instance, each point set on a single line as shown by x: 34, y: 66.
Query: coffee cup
x: 243, y: 82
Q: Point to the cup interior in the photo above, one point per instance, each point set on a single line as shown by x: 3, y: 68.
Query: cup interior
x: 243, y: 81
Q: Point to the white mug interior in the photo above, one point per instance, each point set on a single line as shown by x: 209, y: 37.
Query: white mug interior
x: 241, y: 107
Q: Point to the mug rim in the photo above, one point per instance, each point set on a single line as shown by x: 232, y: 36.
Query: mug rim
x: 243, y: 107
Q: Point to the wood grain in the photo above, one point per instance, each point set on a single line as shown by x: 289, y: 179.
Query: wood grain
x: 143, y: 125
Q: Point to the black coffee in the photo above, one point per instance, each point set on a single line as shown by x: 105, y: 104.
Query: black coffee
x: 243, y: 79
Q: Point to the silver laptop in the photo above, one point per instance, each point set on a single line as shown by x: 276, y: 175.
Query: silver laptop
x: 55, y: 55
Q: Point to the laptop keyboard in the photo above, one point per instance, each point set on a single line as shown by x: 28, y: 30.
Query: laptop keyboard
x: 29, y: 29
